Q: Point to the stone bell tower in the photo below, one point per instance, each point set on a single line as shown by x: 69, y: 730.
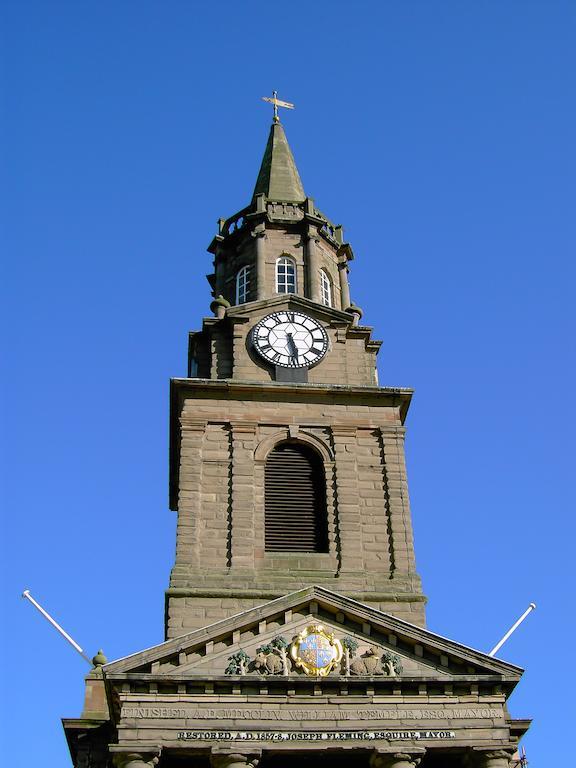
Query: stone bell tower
x: 294, y: 616
x: 287, y: 459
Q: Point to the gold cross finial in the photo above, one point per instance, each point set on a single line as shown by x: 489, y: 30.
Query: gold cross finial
x: 277, y: 103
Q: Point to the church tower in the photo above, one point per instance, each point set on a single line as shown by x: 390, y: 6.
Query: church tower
x: 294, y: 617
x: 287, y: 460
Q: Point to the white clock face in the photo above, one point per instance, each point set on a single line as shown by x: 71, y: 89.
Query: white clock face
x: 290, y: 339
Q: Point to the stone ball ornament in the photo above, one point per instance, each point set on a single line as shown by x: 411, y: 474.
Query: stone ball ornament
x: 290, y: 339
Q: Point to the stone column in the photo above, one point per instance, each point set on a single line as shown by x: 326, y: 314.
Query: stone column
x: 222, y: 758
x: 312, y: 265
x: 394, y: 760
x: 136, y: 759
x: 344, y: 284
x: 496, y: 758
x: 261, y: 291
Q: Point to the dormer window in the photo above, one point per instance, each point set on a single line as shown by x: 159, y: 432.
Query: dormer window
x: 242, y: 285
x: 285, y: 275
x: 325, y: 289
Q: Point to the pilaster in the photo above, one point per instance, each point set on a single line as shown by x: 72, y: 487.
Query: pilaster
x: 401, y: 535
x: 190, y: 491
x: 243, y: 494
x: 348, y: 508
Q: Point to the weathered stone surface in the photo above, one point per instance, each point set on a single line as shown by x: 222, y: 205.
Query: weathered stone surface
x: 281, y: 654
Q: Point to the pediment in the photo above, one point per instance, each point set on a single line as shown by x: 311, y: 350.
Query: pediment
x: 260, y: 642
x: 291, y: 301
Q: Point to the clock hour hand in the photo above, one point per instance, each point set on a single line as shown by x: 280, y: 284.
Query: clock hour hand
x: 292, y: 348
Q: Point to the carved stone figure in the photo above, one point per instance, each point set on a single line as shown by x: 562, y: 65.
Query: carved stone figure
x: 272, y: 658
x: 350, y: 647
x: 368, y: 664
x: 268, y: 663
x: 392, y: 664
x: 238, y: 663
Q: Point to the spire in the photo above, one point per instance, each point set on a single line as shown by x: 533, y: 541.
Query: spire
x: 279, y: 178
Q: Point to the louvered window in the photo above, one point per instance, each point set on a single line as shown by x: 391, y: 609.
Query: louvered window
x: 295, y: 500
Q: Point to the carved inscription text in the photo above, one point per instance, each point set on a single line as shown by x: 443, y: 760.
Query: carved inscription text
x: 444, y: 713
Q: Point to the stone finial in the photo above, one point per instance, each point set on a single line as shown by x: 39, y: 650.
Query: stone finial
x: 99, y: 660
x: 219, y: 306
x: 356, y: 313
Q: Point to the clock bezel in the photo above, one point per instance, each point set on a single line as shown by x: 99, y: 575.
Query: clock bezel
x: 291, y: 366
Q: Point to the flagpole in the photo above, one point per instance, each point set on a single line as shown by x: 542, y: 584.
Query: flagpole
x: 56, y: 626
x: 512, y: 629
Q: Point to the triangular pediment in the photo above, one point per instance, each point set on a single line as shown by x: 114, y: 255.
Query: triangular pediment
x: 379, y: 645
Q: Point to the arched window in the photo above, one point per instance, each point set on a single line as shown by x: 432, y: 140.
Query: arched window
x: 295, y: 500
x: 243, y: 285
x: 325, y: 289
x: 285, y: 275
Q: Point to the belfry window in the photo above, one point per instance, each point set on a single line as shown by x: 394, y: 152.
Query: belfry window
x: 295, y: 500
x: 325, y: 289
x: 285, y: 275
x: 242, y: 285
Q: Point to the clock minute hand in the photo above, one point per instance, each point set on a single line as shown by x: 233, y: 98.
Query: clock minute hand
x: 292, y: 348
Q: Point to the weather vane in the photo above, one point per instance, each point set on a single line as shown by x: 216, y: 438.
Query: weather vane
x: 277, y: 103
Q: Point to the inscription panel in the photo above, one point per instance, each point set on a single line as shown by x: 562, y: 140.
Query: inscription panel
x: 289, y: 714
x: 313, y: 735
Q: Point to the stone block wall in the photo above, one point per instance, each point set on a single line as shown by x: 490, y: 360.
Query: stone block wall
x: 220, y: 553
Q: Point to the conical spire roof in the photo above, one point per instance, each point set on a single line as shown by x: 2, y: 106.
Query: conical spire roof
x: 279, y: 178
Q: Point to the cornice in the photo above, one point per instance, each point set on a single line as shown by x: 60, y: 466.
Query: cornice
x: 403, y: 394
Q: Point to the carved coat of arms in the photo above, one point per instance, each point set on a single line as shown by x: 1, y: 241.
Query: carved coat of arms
x: 316, y: 651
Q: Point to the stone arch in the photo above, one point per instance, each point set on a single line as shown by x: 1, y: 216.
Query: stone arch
x: 265, y: 446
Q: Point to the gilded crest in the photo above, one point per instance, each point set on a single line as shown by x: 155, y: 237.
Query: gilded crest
x: 316, y: 651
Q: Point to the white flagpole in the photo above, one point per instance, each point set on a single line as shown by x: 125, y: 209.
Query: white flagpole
x: 512, y: 629
x: 55, y: 624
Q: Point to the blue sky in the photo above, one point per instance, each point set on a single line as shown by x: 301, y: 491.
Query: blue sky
x: 441, y: 135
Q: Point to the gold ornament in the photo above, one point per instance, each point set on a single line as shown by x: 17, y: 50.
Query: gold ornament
x: 316, y: 651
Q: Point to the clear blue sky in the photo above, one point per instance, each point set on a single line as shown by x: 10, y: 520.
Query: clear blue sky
x: 441, y: 134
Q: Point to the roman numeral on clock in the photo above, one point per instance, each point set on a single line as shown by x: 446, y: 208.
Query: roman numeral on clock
x: 290, y: 339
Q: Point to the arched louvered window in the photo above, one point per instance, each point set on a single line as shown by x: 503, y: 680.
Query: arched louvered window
x: 285, y: 275
x: 242, y: 285
x: 295, y: 500
x: 325, y: 288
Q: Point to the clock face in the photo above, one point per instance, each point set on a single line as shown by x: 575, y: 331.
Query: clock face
x: 290, y: 339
